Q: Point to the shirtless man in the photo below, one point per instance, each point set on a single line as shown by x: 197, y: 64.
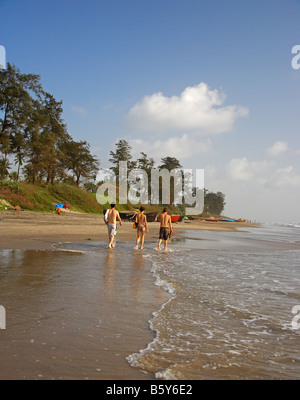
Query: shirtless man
x: 142, y: 227
x: 165, y: 228
x: 110, y: 218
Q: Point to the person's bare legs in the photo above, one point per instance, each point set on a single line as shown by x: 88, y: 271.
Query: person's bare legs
x: 166, y: 245
x: 159, y: 243
x: 111, y: 241
x: 137, y: 239
x: 142, y: 239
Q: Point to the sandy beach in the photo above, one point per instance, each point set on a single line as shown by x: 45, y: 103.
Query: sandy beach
x: 217, y: 305
x: 33, y: 230
x: 77, y: 314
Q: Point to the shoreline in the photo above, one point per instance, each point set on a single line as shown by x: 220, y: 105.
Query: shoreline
x: 86, y: 315
x: 28, y: 230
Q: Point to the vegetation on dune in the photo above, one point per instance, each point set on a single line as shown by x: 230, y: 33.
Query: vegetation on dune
x: 41, y: 164
x: 41, y: 197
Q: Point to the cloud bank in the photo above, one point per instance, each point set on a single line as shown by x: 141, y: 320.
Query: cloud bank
x: 277, y: 148
x: 182, y: 147
x: 241, y: 169
x: 263, y: 173
x: 198, y: 109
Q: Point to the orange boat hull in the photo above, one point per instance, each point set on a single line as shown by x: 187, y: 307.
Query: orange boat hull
x: 175, y: 218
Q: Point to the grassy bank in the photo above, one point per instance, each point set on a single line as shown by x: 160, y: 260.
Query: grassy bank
x: 42, y: 197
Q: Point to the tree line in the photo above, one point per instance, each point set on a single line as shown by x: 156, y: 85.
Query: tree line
x: 34, y: 142
x: 34, y: 135
x: 214, y: 203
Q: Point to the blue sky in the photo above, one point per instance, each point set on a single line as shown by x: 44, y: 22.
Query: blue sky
x: 208, y: 82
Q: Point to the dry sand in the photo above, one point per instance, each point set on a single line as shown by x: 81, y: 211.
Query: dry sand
x: 33, y: 230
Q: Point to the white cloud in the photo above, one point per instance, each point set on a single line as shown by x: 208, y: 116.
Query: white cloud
x: 242, y: 169
x: 79, y: 110
x: 286, y: 177
x: 182, y: 147
x: 198, y: 109
x: 263, y: 173
x: 277, y: 148
x: 238, y: 169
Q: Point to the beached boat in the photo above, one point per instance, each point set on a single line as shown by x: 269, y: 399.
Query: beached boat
x: 226, y: 220
x: 239, y: 220
x: 127, y: 215
x: 204, y: 219
x: 175, y: 218
x: 151, y: 216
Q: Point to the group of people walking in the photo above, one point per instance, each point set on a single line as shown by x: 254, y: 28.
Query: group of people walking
x: 112, y: 216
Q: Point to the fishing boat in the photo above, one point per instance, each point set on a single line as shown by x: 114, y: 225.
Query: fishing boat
x: 239, y: 220
x: 175, y: 218
x: 127, y: 215
x: 203, y: 219
x: 226, y: 220
x: 151, y: 216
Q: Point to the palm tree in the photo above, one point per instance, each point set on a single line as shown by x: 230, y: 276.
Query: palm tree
x: 4, y: 167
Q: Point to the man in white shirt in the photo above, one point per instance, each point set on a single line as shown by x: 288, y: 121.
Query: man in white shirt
x: 110, y: 218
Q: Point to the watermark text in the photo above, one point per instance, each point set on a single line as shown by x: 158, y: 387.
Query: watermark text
x: 2, y: 318
x: 2, y: 57
x: 296, y: 319
x: 154, y: 187
x: 296, y: 58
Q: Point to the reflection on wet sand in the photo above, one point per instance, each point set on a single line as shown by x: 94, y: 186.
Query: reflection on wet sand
x: 138, y: 275
x: 109, y: 274
x: 75, y: 315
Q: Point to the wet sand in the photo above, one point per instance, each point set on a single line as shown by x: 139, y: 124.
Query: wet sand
x: 32, y: 230
x: 76, y: 314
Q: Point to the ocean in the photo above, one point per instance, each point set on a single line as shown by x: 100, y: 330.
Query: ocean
x: 215, y: 305
x: 230, y: 315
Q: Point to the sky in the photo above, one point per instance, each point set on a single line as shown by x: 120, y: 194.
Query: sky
x: 213, y: 83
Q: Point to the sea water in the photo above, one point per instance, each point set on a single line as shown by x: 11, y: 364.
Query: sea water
x: 230, y: 314
x: 215, y: 305
x: 75, y: 312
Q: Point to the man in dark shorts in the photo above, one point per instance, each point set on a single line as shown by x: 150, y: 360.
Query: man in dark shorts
x: 165, y: 228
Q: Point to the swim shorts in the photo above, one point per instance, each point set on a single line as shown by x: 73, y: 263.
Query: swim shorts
x: 164, y: 233
x: 112, y: 229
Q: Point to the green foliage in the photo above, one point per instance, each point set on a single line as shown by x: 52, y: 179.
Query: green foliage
x: 14, y: 187
x: 214, y: 203
x: 122, y: 153
x: 32, y: 129
x: 145, y: 163
x: 170, y: 163
x: 42, y: 197
x: 77, y: 158
x: 4, y: 168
